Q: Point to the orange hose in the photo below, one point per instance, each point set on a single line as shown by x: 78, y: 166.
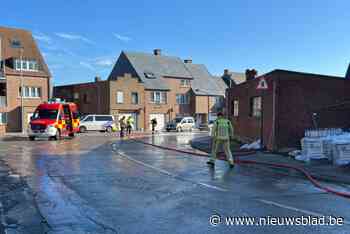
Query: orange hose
x: 302, y: 170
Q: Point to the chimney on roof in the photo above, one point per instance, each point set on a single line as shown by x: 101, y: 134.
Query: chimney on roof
x: 250, y: 74
x: 347, y: 75
x: 157, y: 52
x: 97, y: 79
x: 188, y: 61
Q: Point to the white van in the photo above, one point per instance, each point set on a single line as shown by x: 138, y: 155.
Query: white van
x: 97, y: 123
x: 181, y: 124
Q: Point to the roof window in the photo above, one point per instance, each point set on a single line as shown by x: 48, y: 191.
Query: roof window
x: 150, y: 75
x: 16, y: 43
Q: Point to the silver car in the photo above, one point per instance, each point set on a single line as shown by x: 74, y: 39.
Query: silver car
x: 97, y: 123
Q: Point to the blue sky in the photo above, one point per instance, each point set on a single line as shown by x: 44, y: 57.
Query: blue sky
x: 81, y: 39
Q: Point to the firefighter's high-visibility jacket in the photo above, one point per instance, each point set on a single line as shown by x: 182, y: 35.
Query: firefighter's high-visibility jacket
x: 222, y: 129
x: 130, y: 121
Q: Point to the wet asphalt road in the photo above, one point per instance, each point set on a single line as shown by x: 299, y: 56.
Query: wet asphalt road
x: 96, y: 184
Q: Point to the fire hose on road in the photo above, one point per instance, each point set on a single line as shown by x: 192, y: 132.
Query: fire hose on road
x: 247, y: 153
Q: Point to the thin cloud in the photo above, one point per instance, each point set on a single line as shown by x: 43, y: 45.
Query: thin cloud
x: 74, y: 37
x: 56, y: 66
x: 87, y: 65
x: 104, y: 62
x: 122, y: 38
x: 43, y: 38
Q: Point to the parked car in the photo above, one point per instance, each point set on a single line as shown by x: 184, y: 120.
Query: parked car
x: 97, y: 123
x: 205, y: 126
x: 181, y: 124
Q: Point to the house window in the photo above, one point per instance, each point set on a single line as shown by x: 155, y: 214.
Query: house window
x: 15, y: 43
x: 26, y: 91
x: 182, y: 99
x: 235, y: 108
x: 3, y: 118
x: 37, y: 92
x: 27, y: 65
x: 120, y: 97
x: 218, y: 100
x: 255, y: 106
x: 158, y: 97
x: 18, y: 64
x: 24, y: 65
x: 134, y: 98
x: 30, y: 92
x: 185, y: 83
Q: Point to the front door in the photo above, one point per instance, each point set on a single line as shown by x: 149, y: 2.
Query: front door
x: 160, y: 121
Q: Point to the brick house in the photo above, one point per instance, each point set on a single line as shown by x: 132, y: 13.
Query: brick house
x: 20, y: 58
x: 289, y: 106
x: 150, y: 86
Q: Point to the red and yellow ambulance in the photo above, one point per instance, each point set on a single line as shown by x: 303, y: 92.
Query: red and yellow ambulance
x: 53, y: 120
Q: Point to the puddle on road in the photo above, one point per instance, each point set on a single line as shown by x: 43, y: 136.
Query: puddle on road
x: 65, y: 211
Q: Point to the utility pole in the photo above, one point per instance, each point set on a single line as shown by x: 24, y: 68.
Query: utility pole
x: 22, y: 89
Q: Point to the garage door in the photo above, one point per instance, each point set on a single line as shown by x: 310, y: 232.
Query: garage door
x: 133, y: 115
x: 160, y: 121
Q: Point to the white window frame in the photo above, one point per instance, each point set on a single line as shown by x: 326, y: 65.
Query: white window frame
x: 256, y: 106
x: 135, y: 94
x: 120, y: 97
x: 3, y: 118
x: 26, y: 91
x: 182, y: 99
x: 30, y: 92
x: 158, y: 97
x: 24, y: 65
x: 235, y: 108
x: 185, y: 83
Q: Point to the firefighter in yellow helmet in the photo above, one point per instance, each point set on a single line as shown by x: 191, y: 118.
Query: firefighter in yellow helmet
x: 221, y: 133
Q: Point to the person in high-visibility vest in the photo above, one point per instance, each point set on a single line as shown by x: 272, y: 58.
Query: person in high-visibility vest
x: 122, y: 126
x: 221, y: 133
x: 129, y: 124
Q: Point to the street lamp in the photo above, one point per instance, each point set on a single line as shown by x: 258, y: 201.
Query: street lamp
x: 21, y: 80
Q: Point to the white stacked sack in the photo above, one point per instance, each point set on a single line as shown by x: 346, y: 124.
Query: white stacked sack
x: 313, y: 148
x: 341, y: 150
x: 332, y: 144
